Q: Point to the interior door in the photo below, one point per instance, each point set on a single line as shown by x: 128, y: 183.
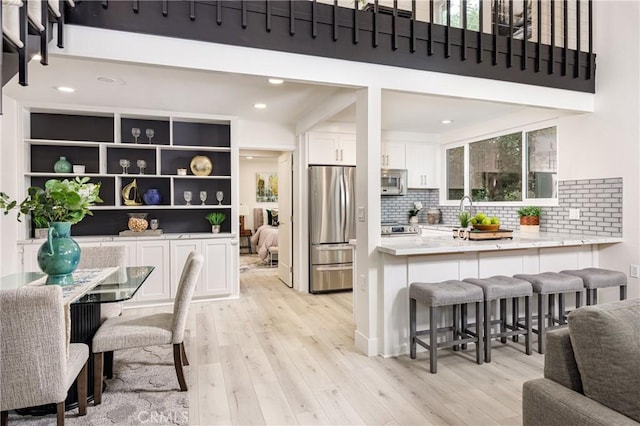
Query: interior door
x: 285, y: 211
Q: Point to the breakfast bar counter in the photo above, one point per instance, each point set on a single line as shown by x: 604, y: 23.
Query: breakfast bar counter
x: 436, y: 256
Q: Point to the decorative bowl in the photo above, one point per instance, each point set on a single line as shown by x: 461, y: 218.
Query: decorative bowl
x: 201, y: 165
x: 486, y: 227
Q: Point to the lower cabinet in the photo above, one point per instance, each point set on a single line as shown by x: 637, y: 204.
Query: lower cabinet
x: 159, y: 285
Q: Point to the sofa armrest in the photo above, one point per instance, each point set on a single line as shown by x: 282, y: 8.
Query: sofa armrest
x: 547, y: 403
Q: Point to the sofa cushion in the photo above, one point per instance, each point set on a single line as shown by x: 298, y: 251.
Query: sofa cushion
x: 606, y: 344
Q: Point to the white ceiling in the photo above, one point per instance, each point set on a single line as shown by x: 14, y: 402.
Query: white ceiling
x: 193, y: 91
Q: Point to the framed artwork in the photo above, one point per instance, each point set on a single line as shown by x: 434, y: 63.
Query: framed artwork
x: 266, y: 187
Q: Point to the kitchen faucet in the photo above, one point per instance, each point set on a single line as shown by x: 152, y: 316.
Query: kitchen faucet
x: 461, y: 208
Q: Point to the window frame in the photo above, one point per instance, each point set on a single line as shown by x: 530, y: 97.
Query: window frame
x: 525, y: 166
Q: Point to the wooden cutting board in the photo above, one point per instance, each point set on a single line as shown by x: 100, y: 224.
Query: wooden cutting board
x: 476, y: 235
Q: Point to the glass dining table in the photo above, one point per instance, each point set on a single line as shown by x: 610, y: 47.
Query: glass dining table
x: 109, y: 285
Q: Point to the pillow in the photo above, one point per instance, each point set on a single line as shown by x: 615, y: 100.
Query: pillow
x: 606, y: 343
x: 272, y: 217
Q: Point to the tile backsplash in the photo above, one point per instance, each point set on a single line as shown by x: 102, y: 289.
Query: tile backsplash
x: 599, y: 201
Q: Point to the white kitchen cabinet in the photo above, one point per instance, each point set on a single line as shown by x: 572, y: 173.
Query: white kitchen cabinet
x: 331, y: 148
x: 158, y: 286
x: 215, y: 278
x: 393, y: 155
x: 422, y: 161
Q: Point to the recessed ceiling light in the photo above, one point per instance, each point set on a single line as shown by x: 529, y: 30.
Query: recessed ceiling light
x: 36, y: 57
x: 447, y: 121
x: 65, y: 89
x: 276, y: 81
x: 260, y: 106
x: 248, y: 157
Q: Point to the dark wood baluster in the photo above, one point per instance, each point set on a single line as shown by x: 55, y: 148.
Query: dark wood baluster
x: 464, y: 30
x: 480, y: 31
x: 335, y: 20
x: 552, y: 46
x: 539, y: 41
x: 136, y: 6
x: 314, y: 19
x: 219, y: 12
x: 495, y: 32
x: 244, y: 14
x: 412, y: 43
x: 22, y: 52
x: 44, y: 34
x: 165, y: 7
x: 356, y: 23
x: 394, y: 25
x: 510, y: 39
x: 447, y: 46
x: 105, y: 4
x: 192, y: 10
x: 525, y: 34
x: 60, y: 21
x: 565, y: 36
x: 375, y: 24
x: 292, y: 19
x: 430, y: 29
x: 590, y: 57
x: 576, y: 65
x: 268, y: 16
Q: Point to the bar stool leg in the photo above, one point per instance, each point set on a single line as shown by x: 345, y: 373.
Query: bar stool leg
x: 412, y: 328
x: 515, y: 312
x: 541, y: 322
x: 552, y: 308
x: 561, y: 309
x: 479, y: 332
x: 594, y: 299
x: 589, y: 299
x: 463, y: 326
x: 433, y: 339
x: 527, y: 321
x: 487, y: 330
x: 503, y: 319
x: 456, y: 331
x: 623, y: 292
x: 578, y: 299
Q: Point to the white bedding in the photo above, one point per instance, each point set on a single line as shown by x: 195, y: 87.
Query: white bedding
x: 266, y: 236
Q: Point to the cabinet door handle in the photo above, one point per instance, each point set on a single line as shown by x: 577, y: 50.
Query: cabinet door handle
x: 341, y: 154
x: 337, y: 154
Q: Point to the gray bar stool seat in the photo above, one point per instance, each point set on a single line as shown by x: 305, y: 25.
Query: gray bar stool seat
x: 502, y: 288
x: 451, y: 293
x: 547, y: 285
x: 595, y: 278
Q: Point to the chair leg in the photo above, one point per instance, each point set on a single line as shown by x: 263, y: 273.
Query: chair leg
x: 177, y: 361
x: 594, y: 299
x: 578, y: 299
x: 589, y: 303
x: 412, y: 328
x: 433, y: 339
x: 503, y: 318
x: 108, y: 365
x: 623, y: 292
x: 4, y: 418
x: 561, y: 309
x: 463, y: 322
x: 456, y: 325
x: 527, y: 322
x: 541, y: 322
x: 97, y: 378
x: 83, y: 382
x: 60, y: 413
x: 185, y: 360
x: 487, y: 330
x: 515, y: 315
x: 479, y: 351
x: 552, y: 308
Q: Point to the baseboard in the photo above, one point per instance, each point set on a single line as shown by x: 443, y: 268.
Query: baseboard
x: 366, y: 345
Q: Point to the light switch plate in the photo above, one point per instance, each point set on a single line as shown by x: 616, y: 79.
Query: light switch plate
x: 361, y: 214
x: 574, y: 214
x: 634, y: 271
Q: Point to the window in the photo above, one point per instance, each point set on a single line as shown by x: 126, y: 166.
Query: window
x: 456, y: 6
x: 514, y: 167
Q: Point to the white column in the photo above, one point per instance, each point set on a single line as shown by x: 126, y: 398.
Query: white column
x: 368, y: 137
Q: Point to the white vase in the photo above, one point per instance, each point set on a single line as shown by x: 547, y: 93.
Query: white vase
x: 413, y: 219
x: 215, y: 229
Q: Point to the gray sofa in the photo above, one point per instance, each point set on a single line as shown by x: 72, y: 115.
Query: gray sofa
x: 591, y: 370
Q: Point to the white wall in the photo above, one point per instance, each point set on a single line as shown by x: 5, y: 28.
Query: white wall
x: 248, y: 169
x: 260, y: 135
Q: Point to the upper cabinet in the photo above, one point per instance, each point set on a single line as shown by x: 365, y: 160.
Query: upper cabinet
x: 392, y: 155
x: 422, y: 161
x: 181, y: 166
x: 328, y: 148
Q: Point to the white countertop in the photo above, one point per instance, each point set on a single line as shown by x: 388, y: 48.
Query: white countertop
x: 116, y: 238
x: 439, y: 242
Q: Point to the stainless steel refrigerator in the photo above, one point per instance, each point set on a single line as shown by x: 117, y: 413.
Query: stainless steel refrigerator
x: 331, y: 226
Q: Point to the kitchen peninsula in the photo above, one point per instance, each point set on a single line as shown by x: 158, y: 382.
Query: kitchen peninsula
x: 436, y: 256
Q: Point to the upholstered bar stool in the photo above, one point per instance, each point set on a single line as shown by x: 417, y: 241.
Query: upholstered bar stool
x: 501, y: 288
x: 547, y: 285
x: 444, y: 294
x: 595, y: 278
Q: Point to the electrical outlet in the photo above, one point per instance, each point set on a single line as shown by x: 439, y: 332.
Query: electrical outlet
x: 634, y: 271
x: 574, y: 214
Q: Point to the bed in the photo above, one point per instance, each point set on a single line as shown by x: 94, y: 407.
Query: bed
x: 265, y: 237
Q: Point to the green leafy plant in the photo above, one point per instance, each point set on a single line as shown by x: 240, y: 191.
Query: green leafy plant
x: 529, y: 211
x: 216, y: 218
x: 58, y: 201
x: 40, y: 222
x: 464, y: 218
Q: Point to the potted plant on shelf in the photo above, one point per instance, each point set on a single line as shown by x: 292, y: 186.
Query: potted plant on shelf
x: 413, y: 213
x: 61, y: 203
x: 216, y: 219
x: 529, y: 218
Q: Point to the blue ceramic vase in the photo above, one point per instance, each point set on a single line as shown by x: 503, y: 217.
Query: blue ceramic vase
x: 58, y: 257
x: 152, y: 197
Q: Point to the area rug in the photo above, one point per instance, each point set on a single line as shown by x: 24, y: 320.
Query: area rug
x: 253, y: 263
x: 144, y: 390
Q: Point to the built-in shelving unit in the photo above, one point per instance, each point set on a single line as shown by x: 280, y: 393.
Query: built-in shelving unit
x: 99, y: 140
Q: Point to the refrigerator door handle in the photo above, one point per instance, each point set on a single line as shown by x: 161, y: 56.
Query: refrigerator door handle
x: 334, y: 268
x: 343, y: 206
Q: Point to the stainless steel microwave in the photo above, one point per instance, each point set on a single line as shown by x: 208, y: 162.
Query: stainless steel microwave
x: 393, y: 182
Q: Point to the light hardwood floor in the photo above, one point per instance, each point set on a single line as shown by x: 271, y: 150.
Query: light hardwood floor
x: 278, y: 357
